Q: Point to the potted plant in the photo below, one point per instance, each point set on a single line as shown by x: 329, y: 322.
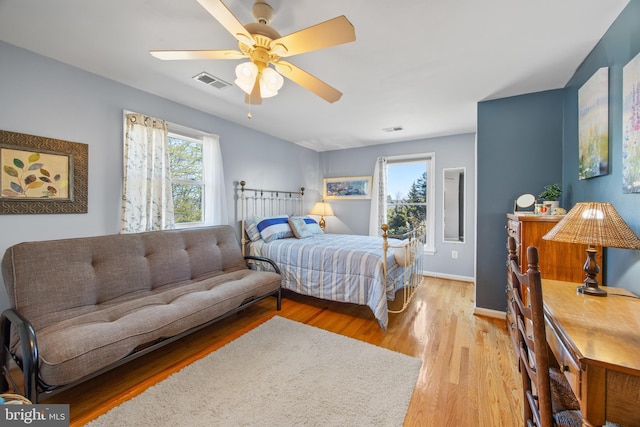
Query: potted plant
x: 551, y: 194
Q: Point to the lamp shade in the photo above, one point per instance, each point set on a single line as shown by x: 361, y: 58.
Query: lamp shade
x: 595, y: 224
x: 270, y: 83
x: 322, y: 209
x: 246, y: 74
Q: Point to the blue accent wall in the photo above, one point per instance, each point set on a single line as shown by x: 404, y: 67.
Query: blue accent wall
x: 519, y: 151
x: 529, y: 141
x: 618, y: 46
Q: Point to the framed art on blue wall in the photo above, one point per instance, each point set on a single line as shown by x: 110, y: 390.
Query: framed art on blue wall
x: 593, y: 126
x: 631, y: 126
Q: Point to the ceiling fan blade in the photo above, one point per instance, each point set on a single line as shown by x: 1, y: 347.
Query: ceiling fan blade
x: 222, y: 14
x: 170, y: 55
x: 329, y: 33
x: 307, y: 81
x: 254, y: 98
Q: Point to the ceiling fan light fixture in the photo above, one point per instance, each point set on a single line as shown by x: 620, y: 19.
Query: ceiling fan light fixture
x: 264, y: 47
x: 246, y: 74
x: 270, y: 82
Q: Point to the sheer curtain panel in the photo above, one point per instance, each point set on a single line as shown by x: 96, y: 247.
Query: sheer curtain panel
x: 378, y: 214
x: 216, y: 210
x: 147, y: 202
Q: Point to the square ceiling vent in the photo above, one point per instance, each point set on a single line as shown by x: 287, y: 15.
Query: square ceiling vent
x: 210, y: 80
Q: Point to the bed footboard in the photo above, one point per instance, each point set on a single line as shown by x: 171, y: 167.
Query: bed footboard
x: 409, y: 255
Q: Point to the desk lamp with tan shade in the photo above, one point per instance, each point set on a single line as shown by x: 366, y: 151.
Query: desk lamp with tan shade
x: 593, y: 224
x: 322, y: 209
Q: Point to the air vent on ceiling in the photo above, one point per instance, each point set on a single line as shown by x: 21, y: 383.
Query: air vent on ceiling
x: 210, y: 80
x: 393, y: 129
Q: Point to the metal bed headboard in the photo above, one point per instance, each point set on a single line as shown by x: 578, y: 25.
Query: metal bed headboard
x: 261, y: 202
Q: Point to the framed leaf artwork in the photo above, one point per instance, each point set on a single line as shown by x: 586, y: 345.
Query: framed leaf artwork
x: 42, y: 175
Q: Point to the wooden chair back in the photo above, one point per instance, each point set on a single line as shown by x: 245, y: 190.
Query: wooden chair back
x: 533, y: 356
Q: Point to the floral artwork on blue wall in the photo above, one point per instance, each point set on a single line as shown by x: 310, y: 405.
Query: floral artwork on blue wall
x: 593, y: 125
x: 631, y: 126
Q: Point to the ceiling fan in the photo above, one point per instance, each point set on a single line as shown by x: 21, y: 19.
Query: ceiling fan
x: 264, y: 47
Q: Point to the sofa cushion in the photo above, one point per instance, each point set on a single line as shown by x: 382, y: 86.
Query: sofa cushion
x: 89, y: 341
x: 47, y: 281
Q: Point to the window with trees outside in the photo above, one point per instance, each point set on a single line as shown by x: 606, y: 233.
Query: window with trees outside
x: 189, y: 170
x: 410, y: 197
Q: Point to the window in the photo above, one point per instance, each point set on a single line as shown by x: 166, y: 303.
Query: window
x: 172, y: 177
x: 187, y: 179
x: 410, y: 194
x: 191, y: 167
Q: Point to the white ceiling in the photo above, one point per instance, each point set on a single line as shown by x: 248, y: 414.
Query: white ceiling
x: 419, y: 64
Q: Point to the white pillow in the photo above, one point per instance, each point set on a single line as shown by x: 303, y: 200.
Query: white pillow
x: 404, y: 254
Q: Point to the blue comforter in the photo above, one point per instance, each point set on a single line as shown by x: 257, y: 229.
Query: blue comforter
x: 337, y: 267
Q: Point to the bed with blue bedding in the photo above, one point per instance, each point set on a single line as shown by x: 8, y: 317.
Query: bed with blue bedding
x: 364, y: 270
x: 337, y: 267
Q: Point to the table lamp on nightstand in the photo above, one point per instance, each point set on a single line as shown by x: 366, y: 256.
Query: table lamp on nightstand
x: 593, y: 224
x: 322, y: 209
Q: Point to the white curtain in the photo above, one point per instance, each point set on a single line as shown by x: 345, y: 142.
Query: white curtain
x: 216, y: 211
x: 378, y: 214
x: 147, y: 203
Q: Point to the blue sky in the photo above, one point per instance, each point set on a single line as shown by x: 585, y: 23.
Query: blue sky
x: 400, y: 176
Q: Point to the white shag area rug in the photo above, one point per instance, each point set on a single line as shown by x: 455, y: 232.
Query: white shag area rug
x: 282, y: 373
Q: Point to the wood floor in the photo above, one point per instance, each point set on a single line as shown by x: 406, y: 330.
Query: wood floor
x: 468, y: 376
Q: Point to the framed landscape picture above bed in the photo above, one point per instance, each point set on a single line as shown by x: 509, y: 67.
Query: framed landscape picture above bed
x: 346, y: 187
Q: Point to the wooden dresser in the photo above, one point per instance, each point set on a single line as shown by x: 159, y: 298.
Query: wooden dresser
x: 558, y: 261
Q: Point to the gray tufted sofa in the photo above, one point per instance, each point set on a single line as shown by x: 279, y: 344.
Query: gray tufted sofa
x: 85, y: 305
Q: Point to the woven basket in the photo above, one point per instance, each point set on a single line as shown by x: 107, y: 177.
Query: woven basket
x: 14, y: 399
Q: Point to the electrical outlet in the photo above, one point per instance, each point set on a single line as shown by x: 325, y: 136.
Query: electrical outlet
x: 454, y: 254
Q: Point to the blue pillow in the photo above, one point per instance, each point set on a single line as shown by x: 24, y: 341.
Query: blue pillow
x: 299, y: 228
x: 303, y: 227
x: 313, y: 226
x: 275, y: 227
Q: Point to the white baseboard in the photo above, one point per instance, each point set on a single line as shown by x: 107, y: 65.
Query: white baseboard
x: 487, y: 312
x: 448, y: 276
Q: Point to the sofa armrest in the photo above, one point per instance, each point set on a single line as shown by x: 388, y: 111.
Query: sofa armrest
x: 250, y: 258
x: 29, y: 348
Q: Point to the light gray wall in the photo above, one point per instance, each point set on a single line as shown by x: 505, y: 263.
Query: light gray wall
x: 352, y: 216
x: 43, y: 97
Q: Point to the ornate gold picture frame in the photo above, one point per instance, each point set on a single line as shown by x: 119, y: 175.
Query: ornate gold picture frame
x: 42, y: 175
